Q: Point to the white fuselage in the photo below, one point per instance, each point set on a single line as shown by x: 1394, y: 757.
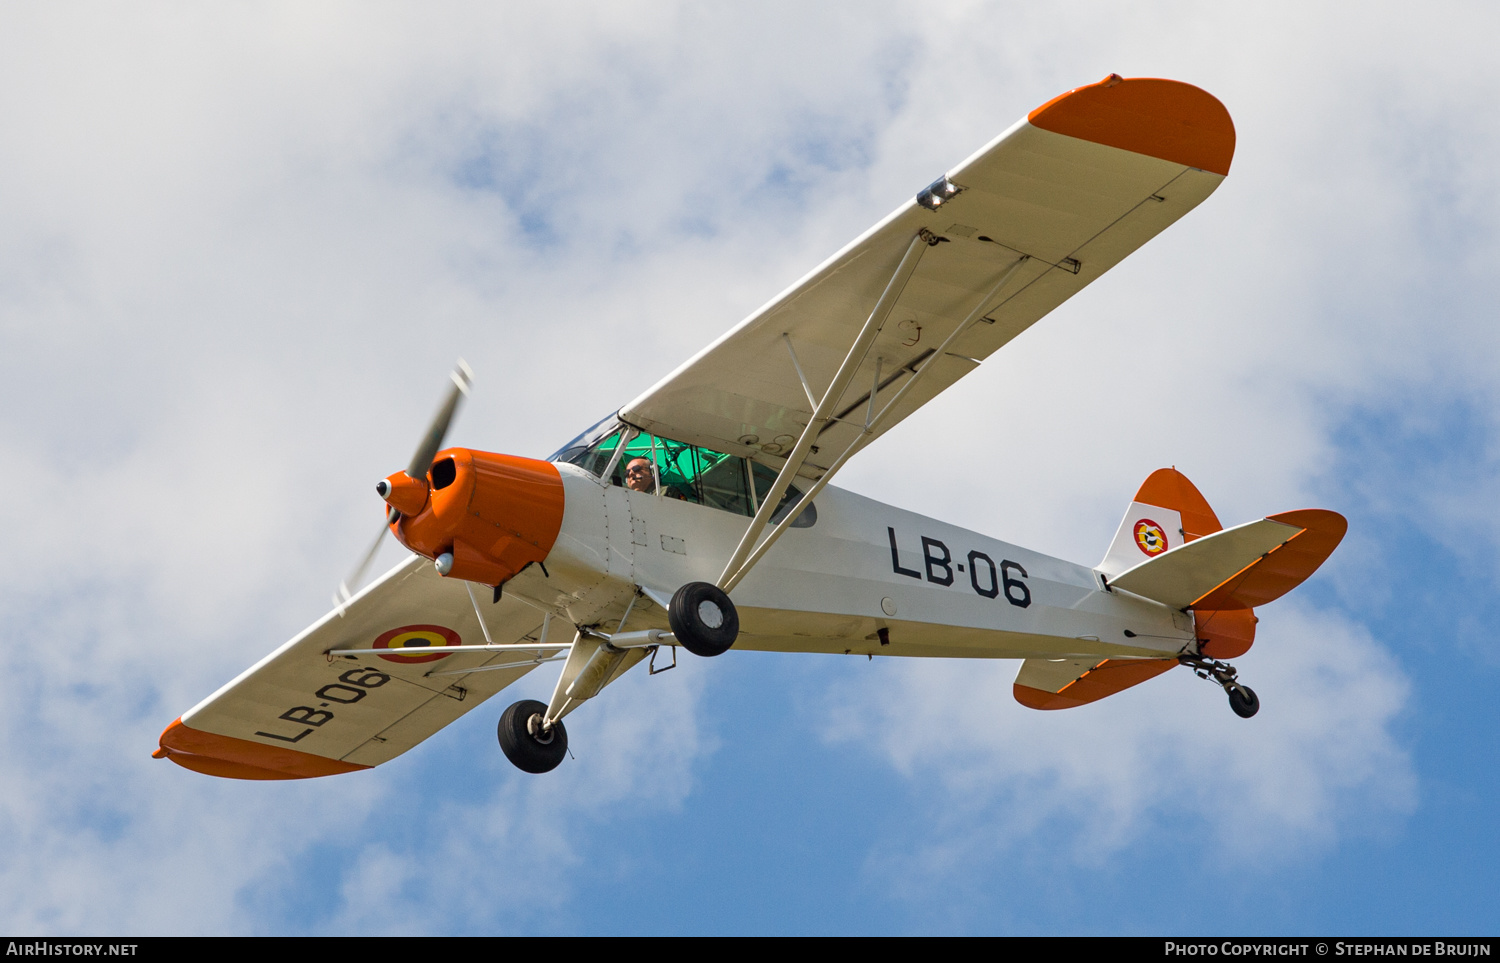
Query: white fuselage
x: 863, y: 567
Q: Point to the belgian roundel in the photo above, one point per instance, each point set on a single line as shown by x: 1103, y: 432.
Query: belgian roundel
x: 417, y: 637
x: 1150, y: 537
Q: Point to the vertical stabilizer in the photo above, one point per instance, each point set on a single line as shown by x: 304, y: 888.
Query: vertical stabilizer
x: 1219, y: 582
x: 1168, y: 511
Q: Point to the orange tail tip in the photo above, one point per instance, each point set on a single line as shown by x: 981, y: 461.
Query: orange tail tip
x: 232, y: 758
x: 1165, y: 119
x: 1170, y: 488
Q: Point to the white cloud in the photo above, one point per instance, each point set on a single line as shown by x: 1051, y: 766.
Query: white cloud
x: 1164, y: 760
x: 636, y: 749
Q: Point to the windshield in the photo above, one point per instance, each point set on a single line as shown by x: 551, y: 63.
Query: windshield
x: 575, y: 448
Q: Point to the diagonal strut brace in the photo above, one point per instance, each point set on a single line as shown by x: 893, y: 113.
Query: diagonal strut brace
x: 734, y: 573
x: 824, y: 409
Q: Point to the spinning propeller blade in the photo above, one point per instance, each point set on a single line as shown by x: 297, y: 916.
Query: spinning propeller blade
x: 346, y: 590
x: 421, y: 460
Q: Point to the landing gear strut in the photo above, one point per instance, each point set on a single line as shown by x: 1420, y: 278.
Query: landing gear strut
x: 526, y: 744
x: 1242, y: 698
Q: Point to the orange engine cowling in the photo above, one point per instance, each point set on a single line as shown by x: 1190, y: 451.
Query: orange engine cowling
x: 494, y: 513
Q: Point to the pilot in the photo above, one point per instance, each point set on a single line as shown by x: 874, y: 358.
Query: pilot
x: 639, y: 477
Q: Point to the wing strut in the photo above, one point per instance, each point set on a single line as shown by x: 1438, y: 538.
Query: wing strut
x: 812, y: 399
x: 743, y: 560
x: 458, y: 649
x: 821, y: 413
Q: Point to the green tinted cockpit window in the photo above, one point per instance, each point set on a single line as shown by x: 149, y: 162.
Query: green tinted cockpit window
x: 688, y: 473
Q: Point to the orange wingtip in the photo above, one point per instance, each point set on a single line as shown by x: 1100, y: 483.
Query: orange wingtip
x: 1272, y: 576
x: 1168, y: 119
x: 232, y: 758
x: 1105, y: 679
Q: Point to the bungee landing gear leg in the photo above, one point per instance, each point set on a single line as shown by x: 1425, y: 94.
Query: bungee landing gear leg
x: 1242, y: 698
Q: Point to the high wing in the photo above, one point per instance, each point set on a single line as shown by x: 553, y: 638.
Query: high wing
x: 302, y: 711
x: 1038, y: 213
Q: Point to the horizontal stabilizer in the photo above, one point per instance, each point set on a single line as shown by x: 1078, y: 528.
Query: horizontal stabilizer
x: 1190, y: 571
x: 1240, y: 567
x: 1065, y: 683
x: 1284, y: 569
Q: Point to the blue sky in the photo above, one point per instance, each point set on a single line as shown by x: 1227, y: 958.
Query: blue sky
x: 240, y: 247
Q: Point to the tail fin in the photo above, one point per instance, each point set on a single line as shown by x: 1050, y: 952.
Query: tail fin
x: 1219, y: 582
x: 1168, y: 511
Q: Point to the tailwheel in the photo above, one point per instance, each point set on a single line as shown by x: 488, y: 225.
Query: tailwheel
x: 1242, y: 698
x: 526, y: 743
x: 703, y: 619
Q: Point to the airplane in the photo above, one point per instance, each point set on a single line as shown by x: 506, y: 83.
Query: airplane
x: 700, y: 514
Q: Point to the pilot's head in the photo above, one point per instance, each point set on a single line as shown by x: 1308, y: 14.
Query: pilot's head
x: 638, y: 475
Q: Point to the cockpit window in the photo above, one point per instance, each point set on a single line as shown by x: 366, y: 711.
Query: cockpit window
x: 593, y: 449
x: 574, y: 451
x: 693, y: 474
x: 675, y: 469
x: 764, y: 479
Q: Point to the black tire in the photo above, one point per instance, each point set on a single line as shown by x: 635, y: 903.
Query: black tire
x: 521, y: 745
x: 703, y: 619
x: 1244, y: 701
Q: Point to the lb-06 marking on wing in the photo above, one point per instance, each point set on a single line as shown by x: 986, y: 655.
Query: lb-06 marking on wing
x: 701, y: 515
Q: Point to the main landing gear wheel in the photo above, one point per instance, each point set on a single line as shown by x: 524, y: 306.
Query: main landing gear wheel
x: 703, y: 619
x: 530, y: 747
x: 1243, y: 700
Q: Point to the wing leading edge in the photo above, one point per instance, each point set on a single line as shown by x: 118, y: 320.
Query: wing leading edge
x: 1047, y: 207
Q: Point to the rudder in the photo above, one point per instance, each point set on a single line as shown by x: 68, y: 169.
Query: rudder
x: 1171, y: 505
x: 1167, y: 511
